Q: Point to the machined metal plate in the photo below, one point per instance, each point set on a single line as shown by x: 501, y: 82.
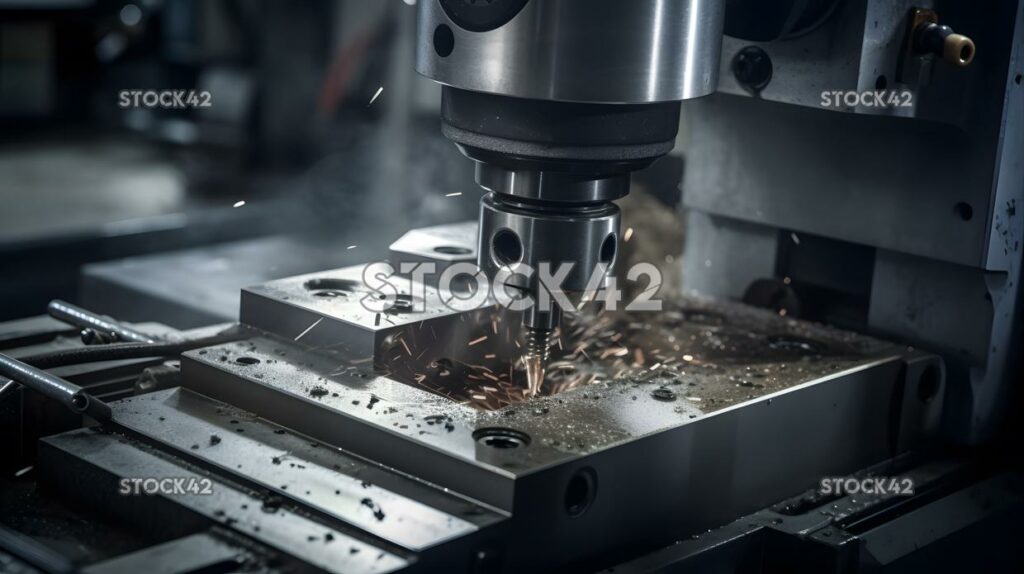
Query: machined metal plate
x: 449, y: 243
x: 734, y: 408
x: 328, y: 310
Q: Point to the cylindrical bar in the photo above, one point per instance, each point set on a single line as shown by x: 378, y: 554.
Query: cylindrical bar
x: 64, y: 392
x: 73, y: 315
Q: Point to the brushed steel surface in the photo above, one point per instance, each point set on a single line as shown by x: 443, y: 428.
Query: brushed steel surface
x: 602, y: 51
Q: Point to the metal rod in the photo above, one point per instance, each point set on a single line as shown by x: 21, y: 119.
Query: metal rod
x: 74, y: 315
x: 63, y: 391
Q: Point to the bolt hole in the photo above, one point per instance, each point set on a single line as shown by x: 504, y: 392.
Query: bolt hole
x: 1018, y: 79
x: 506, y: 248
x: 502, y: 438
x: 330, y: 294
x: 608, y: 249
x: 794, y: 344
x: 444, y: 40
x: 452, y: 250
x: 964, y: 210
x: 753, y: 68
x: 247, y: 360
x: 331, y: 284
x: 881, y: 83
x: 580, y: 492
x: 928, y: 383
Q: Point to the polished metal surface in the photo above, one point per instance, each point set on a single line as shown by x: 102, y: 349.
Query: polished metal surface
x: 556, y: 187
x: 602, y: 51
x: 514, y: 237
x: 449, y: 243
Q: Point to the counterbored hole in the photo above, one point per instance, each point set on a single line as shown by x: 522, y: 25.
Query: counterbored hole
x: 452, y: 250
x: 928, y: 383
x: 580, y: 492
x: 331, y: 284
x: 444, y: 40
x: 330, y: 294
x: 608, y: 249
x: 796, y: 344
x: 503, y: 438
x: 506, y: 247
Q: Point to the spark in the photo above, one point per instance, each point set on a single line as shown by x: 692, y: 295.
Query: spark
x: 375, y: 94
x: 794, y: 238
x: 239, y: 203
x: 308, y: 329
x: 475, y: 341
x: 351, y: 247
x: 687, y: 358
x: 454, y: 194
x: 628, y: 235
x: 23, y: 471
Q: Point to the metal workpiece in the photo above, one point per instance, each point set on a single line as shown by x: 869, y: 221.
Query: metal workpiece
x: 603, y: 51
x: 440, y: 244
x: 328, y: 311
x: 668, y: 395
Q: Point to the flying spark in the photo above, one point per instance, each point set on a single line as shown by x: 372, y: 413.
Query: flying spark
x: 239, y: 203
x: 628, y: 235
x: 377, y: 93
x: 351, y: 247
x: 455, y: 194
